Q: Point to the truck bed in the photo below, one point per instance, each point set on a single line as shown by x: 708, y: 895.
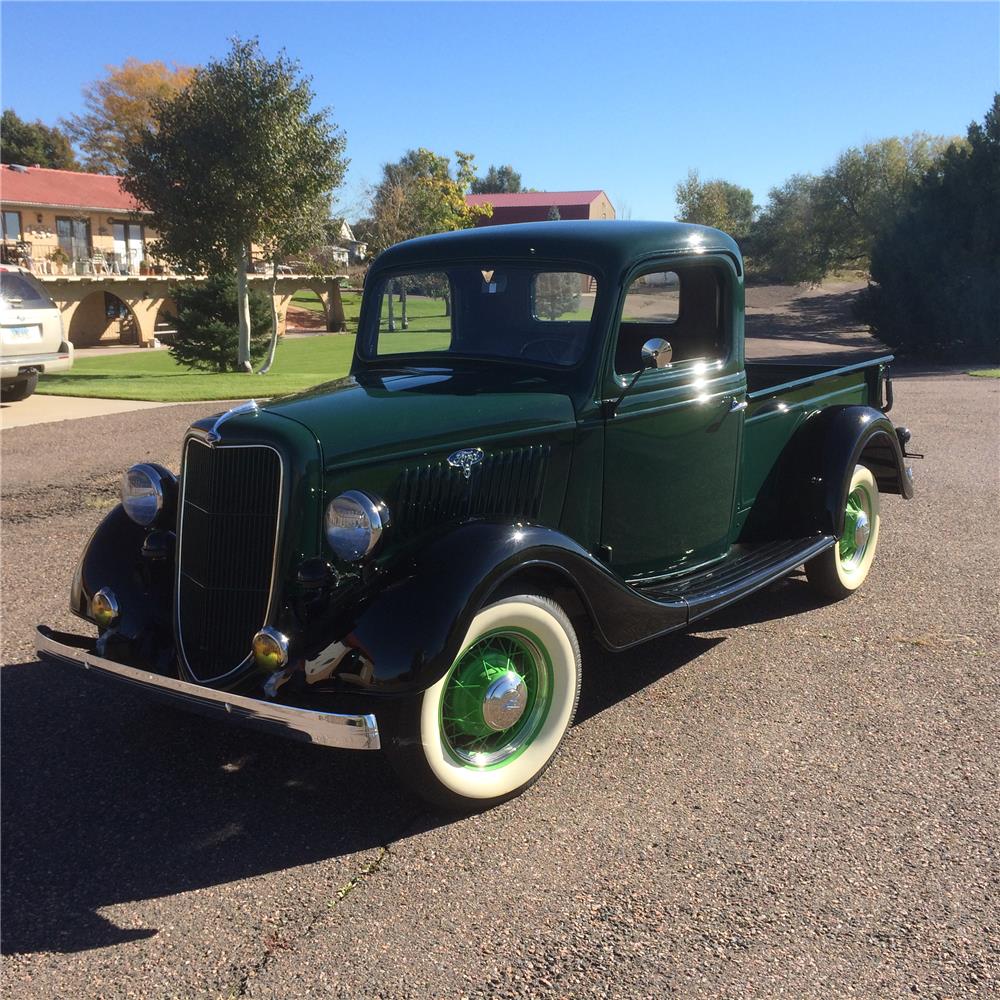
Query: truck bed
x: 781, y: 395
x: 770, y: 378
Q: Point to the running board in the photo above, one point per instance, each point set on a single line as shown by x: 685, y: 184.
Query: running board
x: 746, y: 569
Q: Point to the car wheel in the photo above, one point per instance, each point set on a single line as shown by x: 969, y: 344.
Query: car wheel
x: 490, y: 727
x: 22, y: 388
x: 842, y: 569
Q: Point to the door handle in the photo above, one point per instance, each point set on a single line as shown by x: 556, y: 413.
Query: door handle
x: 736, y: 405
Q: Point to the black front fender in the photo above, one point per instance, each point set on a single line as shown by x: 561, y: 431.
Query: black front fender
x: 412, y: 628
x: 114, y: 559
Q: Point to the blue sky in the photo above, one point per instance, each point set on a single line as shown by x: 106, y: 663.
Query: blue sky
x: 624, y: 97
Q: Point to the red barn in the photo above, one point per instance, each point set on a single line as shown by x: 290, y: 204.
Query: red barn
x: 536, y: 206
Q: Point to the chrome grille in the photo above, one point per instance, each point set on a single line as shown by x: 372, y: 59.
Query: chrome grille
x: 506, y: 483
x: 226, y: 549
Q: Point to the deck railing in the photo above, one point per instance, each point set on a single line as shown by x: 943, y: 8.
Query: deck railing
x: 52, y: 258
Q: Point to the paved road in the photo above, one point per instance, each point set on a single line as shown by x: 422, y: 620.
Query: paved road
x: 796, y: 800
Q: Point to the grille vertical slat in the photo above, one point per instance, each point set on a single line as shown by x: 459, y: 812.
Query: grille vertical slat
x: 506, y: 483
x: 229, y: 517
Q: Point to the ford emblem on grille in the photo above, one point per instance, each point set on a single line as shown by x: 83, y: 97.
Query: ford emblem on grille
x: 465, y: 460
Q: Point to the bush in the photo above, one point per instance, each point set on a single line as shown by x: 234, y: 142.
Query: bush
x: 935, y: 288
x: 208, y: 326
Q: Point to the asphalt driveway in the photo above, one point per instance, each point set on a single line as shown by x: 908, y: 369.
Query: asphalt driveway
x: 796, y: 800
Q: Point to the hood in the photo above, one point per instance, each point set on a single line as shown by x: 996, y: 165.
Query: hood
x: 374, y: 417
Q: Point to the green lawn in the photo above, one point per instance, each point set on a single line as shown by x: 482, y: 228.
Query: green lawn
x: 308, y: 299
x: 299, y: 364
x: 986, y: 372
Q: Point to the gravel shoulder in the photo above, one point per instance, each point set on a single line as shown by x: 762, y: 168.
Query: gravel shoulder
x: 795, y: 800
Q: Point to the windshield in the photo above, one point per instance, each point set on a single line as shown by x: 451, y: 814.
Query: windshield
x: 514, y: 313
x: 19, y: 291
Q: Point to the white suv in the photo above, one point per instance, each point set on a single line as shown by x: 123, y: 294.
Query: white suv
x: 31, y: 334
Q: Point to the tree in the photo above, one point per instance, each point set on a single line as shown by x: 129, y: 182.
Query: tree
x: 867, y: 189
x: 553, y: 214
x: 814, y: 225
x: 556, y: 293
x: 119, y: 110
x: 236, y: 159
x: 788, y: 242
x: 715, y: 203
x: 208, y: 327
x: 498, y: 180
x: 419, y: 195
x: 33, y: 143
x: 934, y: 269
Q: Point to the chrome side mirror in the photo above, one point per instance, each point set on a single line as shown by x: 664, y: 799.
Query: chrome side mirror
x: 656, y: 353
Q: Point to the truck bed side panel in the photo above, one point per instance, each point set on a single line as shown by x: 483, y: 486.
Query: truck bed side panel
x: 778, y: 408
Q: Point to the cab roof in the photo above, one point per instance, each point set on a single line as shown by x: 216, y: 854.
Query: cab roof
x: 605, y: 245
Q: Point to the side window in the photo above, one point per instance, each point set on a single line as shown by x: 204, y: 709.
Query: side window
x: 653, y: 298
x: 682, y: 306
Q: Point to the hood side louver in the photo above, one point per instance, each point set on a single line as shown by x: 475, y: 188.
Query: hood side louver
x: 506, y: 483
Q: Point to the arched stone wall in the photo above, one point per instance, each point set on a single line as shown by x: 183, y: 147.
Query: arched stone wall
x: 146, y: 296
x: 86, y: 322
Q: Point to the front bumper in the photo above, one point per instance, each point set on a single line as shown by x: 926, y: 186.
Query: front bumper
x: 330, y: 729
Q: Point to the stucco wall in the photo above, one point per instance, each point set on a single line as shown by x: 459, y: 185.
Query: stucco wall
x: 43, y: 237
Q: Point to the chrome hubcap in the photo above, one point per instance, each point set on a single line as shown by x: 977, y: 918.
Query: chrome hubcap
x: 862, y: 529
x: 857, y: 529
x: 505, y: 701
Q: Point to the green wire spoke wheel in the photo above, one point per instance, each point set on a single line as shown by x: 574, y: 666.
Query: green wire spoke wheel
x: 489, y: 728
x: 842, y: 569
x: 496, y: 698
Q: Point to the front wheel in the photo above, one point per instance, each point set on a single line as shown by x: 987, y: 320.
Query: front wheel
x: 842, y: 569
x: 490, y: 727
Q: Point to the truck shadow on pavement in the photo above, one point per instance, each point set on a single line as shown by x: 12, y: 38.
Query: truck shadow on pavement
x: 107, y: 799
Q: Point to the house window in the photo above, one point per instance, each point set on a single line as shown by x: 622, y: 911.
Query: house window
x: 11, y: 225
x: 74, y: 237
x: 130, y: 245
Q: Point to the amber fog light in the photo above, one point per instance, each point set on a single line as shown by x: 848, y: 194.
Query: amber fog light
x: 270, y: 649
x: 104, y: 607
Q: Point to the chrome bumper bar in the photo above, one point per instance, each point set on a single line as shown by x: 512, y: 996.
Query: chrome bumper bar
x: 329, y: 729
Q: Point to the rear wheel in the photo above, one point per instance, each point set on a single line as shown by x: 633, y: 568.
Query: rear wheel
x: 490, y: 727
x: 18, y: 389
x: 841, y: 570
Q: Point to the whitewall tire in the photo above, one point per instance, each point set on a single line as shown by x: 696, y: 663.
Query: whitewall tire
x: 490, y: 727
x: 843, y: 568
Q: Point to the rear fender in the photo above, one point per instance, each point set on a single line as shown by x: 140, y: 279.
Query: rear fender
x: 411, y: 629
x: 825, y: 451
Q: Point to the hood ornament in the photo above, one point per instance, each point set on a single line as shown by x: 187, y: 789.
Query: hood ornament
x: 250, y: 406
x: 466, y: 459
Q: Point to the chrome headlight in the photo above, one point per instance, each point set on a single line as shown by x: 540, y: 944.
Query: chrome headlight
x: 148, y: 493
x: 354, y: 525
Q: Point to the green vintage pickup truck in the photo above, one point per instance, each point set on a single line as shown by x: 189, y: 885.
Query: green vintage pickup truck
x: 547, y: 428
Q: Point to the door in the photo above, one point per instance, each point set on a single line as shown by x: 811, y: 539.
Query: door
x: 672, y: 446
x: 129, y: 246
x: 74, y: 237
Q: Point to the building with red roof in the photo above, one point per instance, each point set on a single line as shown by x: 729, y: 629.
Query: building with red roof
x: 54, y: 219
x: 537, y: 206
